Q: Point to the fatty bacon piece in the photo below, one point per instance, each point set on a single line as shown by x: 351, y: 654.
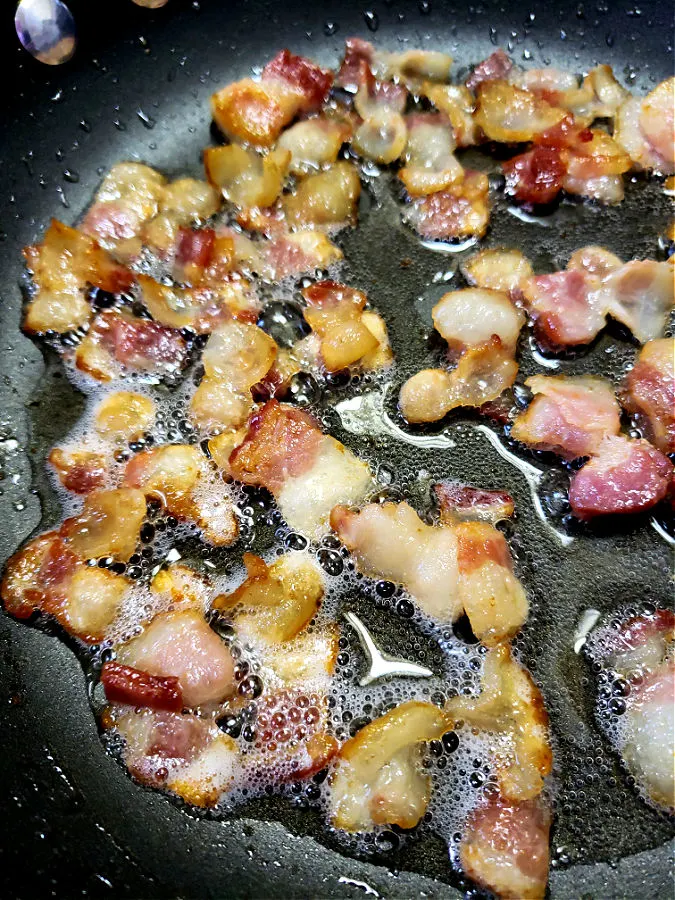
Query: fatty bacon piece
x: 202, y: 308
x: 644, y: 127
x: 348, y: 334
x: 569, y: 415
x: 378, y: 777
x: 457, y: 103
x: 362, y: 62
x: 236, y: 357
x: 46, y: 575
x: 463, y: 503
x: 624, y: 476
x: 508, y: 114
x: 495, y: 67
x: 327, y: 199
x: 505, y: 848
x: 119, y: 342
x: 184, y: 754
x: 648, y: 393
x: 307, y: 471
x: 460, y: 211
x: 382, y: 133
x: 314, y: 143
x: 498, y: 270
x: 245, y: 177
x: 255, y: 112
x: 482, y: 374
x: 570, y: 307
x: 511, y: 708
x: 430, y: 163
x: 275, y: 603
x: 64, y: 266
x: 470, y: 317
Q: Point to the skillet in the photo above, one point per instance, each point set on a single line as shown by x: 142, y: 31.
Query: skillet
x: 74, y: 823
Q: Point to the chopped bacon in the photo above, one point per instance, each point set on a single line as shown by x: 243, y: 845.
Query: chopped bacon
x: 314, y: 143
x: 375, y: 97
x: 180, y: 644
x: 498, y: 270
x: 328, y: 198
x: 195, y: 247
x: 295, y: 254
x: 378, y: 779
x: 79, y: 471
x: 304, y: 76
x: 468, y: 318
x: 200, y: 308
x: 355, y: 66
x: 482, y: 374
x: 64, y: 266
x: 640, y: 645
x: 657, y: 122
x: 649, y: 392
x: 381, y: 137
x: 390, y: 541
x: 459, y: 211
x: 640, y: 294
x: 496, y: 67
x: 461, y: 503
x: 245, y: 177
x: 570, y: 415
x: 124, y: 415
x: 430, y: 164
x: 505, y: 848
x: 548, y: 84
x: 307, y: 661
x: 413, y: 67
x: 564, y: 309
x: 205, y: 258
x: 255, y: 112
x: 124, y: 684
x: 457, y: 103
x: 625, y: 476
x: 308, y: 472
x: 108, y: 525
x: 508, y: 114
x: 535, y: 176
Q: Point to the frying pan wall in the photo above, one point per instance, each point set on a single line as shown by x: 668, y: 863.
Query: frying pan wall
x: 78, y: 824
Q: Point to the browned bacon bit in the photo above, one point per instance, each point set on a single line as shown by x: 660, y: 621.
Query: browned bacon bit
x: 64, y: 266
x: 328, y: 198
x: 108, y: 525
x: 460, y: 211
x: 335, y: 313
x: 506, y: 848
x: 461, y: 503
x: 246, y: 178
x: 570, y: 415
x: 535, y: 176
x: 42, y: 565
x: 649, y: 392
x: 79, y: 471
x: 496, y: 67
x: 124, y: 684
x: 498, y: 270
x: 302, y: 75
x: 625, y: 476
x: 119, y: 339
x: 508, y: 114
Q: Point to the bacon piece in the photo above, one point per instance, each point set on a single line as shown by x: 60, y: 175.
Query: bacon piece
x: 199, y: 308
x: 498, y: 270
x: 295, y: 254
x: 314, y: 143
x: 460, y: 211
x: 335, y: 313
x: 390, y: 541
x: 375, y: 97
x: 496, y: 67
x: 482, y: 374
x: 570, y: 415
x: 276, y: 602
x: 564, y: 308
x: 308, y: 661
x: 302, y: 75
x: 79, y: 471
x: 118, y: 339
x: 640, y: 645
x: 509, y: 704
x: 328, y: 198
x: 180, y: 644
x: 123, y: 684
x: 206, y: 258
x: 657, y: 122
x: 535, y: 176
x: 599, y: 96
x: 355, y: 67
x: 413, y: 67
x: 640, y: 294
x: 624, y: 476
x: 64, y: 266
x: 124, y: 415
x: 505, y: 848
x: 462, y: 503
x: 470, y: 317
x: 430, y: 164
x: 457, y: 103
x: 308, y: 472
x: 508, y: 114
x: 180, y: 477
x: 378, y: 778
x: 108, y: 525
x: 245, y: 177
x: 381, y: 137
x: 649, y: 392
x: 548, y: 84
x: 182, y: 203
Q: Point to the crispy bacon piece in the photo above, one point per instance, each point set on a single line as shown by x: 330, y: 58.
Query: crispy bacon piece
x: 179, y: 644
x: 308, y: 472
x: 302, y: 75
x: 496, y: 67
x: 124, y: 415
x: 482, y: 374
x: 457, y: 103
x: 505, y: 848
x: 336, y: 313
x: 625, y: 476
x: 468, y: 318
x: 381, y: 137
x: 183, y: 204
x: 378, y: 778
x: 314, y: 143
x: 245, y: 177
x: 498, y: 270
x: 180, y: 477
x: 64, y: 266
x: 391, y: 541
x: 200, y: 308
x: 535, y: 176
x: 463, y: 503
x: 508, y: 114
x: 124, y: 684
x: 117, y: 339
x: 570, y: 415
x: 276, y: 602
x: 328, y: 198
x: 79, y: 471
x: 108, y: 525
x: 430, y: 163
x: 509, y: 704
x: 460, y: 211
x: 649, y: 392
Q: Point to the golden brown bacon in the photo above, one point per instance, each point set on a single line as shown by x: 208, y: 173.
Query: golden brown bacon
x: 430, y: 164
x: 245, y: 177
x: 498, y: 270
x: 326, y: 199
x: 460, y: 211
x: 79, y: 471
x: 649, y: 392
x: 644, y: 127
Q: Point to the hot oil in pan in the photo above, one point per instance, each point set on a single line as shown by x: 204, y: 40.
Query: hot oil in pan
x: 565, y: 568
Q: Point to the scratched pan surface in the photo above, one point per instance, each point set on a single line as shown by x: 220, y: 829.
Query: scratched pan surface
x: 75, y: 824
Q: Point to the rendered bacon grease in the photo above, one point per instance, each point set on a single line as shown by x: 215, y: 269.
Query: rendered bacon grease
x: 222, y: 681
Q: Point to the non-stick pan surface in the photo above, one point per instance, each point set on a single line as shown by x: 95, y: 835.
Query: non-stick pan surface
x: 74, y: 823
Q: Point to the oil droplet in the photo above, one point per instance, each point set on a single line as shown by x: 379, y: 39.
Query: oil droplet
x: 372, y: 20
x: 71, y: 176
x: 147, y: 120
x: 330, y: 28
